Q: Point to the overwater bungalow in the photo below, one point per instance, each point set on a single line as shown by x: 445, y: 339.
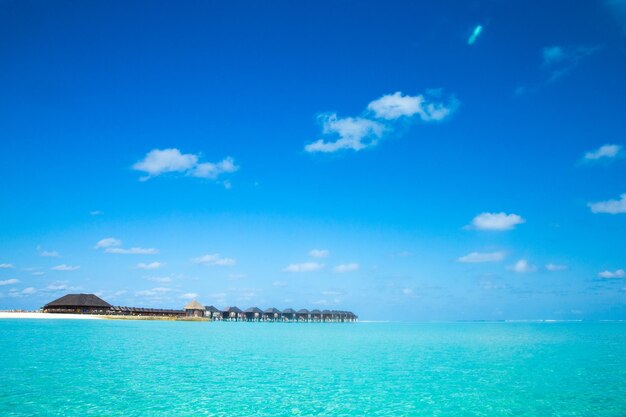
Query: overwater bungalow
x: 232, y: 314
x: 271, y: 314
x: 327, y: 315
x: 213, y: 313
x: 253, y: 314
x: 316, y: 315
x: 289, y: 314
x: 303, y: 315
x: 78, y: 303
x: 194, y: 309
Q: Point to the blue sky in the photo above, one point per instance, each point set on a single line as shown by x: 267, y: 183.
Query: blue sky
x: 390, y: 158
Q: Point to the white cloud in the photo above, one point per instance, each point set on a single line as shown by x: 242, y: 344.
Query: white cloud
x: 64, y: 267
x: 96, y: 213
x: 522, y: 266
x: 604, y: 151
x: 357, y: 133
x: 151, y: 265
x: 154, y: 292
x: 609, y: 206
x: 620, y: 273
x: 109, y: 242
x: 6, y: 266
x: 214, y: 259
x: 346, y: 268
x: 279, y: 284
x: 319, y: 253
x: 303, y: 267
x: 407, y: 291
x: 9, y: 281
x: 49, y: 254
x: 354, y: 133
x: 213, y: 170
x: 556, y: 267
x: 38, y: 273
x: 132, y: 251
x: 479, y: 257
x: 496, y: 221
x: 162, y: 161
x: 29, y: 291
x: 189, y: 296
x: 394, y: 106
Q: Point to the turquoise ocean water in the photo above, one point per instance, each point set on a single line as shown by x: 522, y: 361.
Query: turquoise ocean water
x: 142, y: 368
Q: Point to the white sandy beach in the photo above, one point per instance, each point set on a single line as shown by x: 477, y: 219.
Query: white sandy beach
x: 47, y: 316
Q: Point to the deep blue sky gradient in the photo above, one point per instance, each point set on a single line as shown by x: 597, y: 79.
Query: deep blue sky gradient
x: 87, y: 89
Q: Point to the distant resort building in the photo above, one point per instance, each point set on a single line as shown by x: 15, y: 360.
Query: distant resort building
x: 92, y: 304
x: 78, y: 303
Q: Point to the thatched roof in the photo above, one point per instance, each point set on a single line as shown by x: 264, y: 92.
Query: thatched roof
x: 316, y: 311
x: 253, y: 310
x: 79, y: 300
x: 289, y: 311
x: 272, y: 311
x: 194, y: 305
x: 232, y: 310
x: 303, y: 311
x: 212, y: 309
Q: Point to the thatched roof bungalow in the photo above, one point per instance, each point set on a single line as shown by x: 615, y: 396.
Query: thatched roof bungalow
x: 78, y: 303
x: 194, y: 309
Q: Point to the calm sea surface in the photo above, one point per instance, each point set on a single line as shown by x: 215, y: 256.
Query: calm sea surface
x: 142, y: 368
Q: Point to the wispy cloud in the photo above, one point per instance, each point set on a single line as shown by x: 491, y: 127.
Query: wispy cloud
x: 346, y: 268
x: 495, y: 221
x: 149, y: 266
x: 319, y: 253
x: 620, y: 273
x: 113, y: 245
x: 163, y: 280
x: 9, y: 281
x: 522, y: 266
x: 214, y: 259
x: 480, y: 257
x: 64, y: 267
x: 7, y: 266
x: 29, y: 291
x: 132, y: 251
x: 96, y: 213
x: 609, y: 206
x: 382, y: 114
x: 558, y: 60
x: 163, y: 161
x: 303, y: 267
x: 189, y: 296
x: 48, y: 254
x: 556, y: 267
x: 108, y: 243
x: 608, y: 151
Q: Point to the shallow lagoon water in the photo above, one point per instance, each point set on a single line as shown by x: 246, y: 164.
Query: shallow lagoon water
x: 151, y: 368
